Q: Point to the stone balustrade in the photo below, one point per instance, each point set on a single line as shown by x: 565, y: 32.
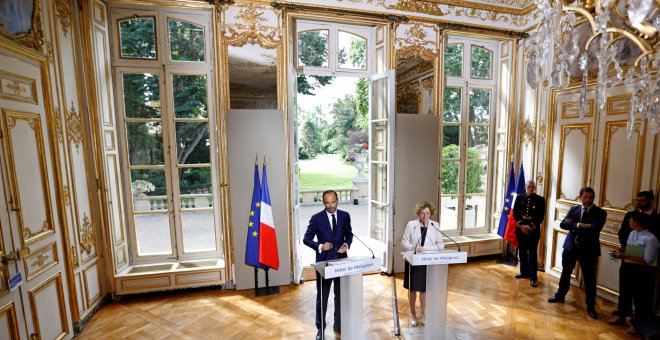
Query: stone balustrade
x: 148, y: 203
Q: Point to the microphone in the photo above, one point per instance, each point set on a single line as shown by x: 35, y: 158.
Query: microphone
x: 443, y: 234
x: 415, y: 246
x: 351, y: 232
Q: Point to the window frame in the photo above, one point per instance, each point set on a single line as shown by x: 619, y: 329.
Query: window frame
x: 333, y: 69
x: 467, y: 83
x: 166, y: 69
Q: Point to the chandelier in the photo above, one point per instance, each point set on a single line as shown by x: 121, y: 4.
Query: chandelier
x: 617, y: 32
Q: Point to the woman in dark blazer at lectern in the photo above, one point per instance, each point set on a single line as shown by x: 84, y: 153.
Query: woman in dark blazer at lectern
x: 421, y: 235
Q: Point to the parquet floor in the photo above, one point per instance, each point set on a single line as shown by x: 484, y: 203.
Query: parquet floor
x: 485, y: 302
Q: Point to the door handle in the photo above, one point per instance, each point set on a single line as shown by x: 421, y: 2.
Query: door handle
x: 15, y: 255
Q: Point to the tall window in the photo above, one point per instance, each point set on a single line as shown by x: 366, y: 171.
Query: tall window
x: 163, y: 76
x: 467, y: 124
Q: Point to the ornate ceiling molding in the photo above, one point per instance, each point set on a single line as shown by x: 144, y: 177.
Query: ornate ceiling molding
x: 418, y: 7
x: 518, y: 7
x: 251, y: 24
x: 419, y: 40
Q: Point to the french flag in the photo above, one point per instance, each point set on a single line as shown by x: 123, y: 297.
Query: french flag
x: 268, y: 254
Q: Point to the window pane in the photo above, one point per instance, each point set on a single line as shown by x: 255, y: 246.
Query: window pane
x: 352, y: 51
x: 476, y: 177
x: 186, y: 41
x: 475, y: 212
x: 313, y: 48
x: 145, y: 143
x: 192, y: 143
x: 196, y: 187
x: 141, y: 95
x: 137, y: 38
x: 198, y: 231
x: 189, y: 92
x: 149, y: 184
x: 451, y: 106
x: 479, y: 106
x: 454, y: 60
x: 448, y: 213
x: 152, y: 234
x: 477, y: 142
x: 450, y: 177
x: 481, y: 63
x: 450, y: 140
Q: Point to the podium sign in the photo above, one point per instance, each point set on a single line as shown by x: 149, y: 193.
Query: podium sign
x: 441, y: 257
x: 347, y: 266
x: 436, y: 287
x: 349, y: 270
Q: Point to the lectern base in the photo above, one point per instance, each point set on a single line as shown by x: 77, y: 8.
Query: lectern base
x: 417, y: 333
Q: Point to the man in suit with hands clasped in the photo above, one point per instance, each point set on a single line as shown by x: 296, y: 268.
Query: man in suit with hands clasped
x: 584, y: 223
x: 332, y: 230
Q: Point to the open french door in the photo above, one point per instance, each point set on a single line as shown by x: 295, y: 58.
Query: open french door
x: 381, y: 171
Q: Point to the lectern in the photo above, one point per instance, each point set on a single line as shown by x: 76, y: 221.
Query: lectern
x: 436, y: 287
x: 349, y: 270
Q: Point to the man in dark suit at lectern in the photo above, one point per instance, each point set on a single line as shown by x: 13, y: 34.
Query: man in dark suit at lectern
x: 584, y: 223
x: 332, y: 229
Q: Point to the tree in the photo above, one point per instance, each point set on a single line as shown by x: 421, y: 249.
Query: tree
x: 312, y: 51
x: 453, y: 60
x: 450, y: 171
x: 345, y: 116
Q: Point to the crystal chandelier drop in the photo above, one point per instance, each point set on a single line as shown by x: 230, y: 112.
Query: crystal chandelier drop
x: 556, y: 41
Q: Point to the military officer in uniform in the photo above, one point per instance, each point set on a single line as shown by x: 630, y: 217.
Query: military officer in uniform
x: 528, y: 212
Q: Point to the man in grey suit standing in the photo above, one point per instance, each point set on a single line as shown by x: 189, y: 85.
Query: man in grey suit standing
x: 584, y: 223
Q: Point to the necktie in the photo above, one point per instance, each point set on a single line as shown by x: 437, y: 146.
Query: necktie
x: 584, y: 212
x: 334, y: 222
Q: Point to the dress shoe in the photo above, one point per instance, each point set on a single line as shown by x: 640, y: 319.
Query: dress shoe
x: 521, y: 276
x: 556, y: 299
x: 592, y: 312
x: 617, y: 321
x: 413, y: 322
x: 533, y: 283
x: 422, y: 320
x: 319, y: 335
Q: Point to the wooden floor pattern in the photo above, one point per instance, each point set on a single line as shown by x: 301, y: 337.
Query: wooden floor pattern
x: 484, y: 302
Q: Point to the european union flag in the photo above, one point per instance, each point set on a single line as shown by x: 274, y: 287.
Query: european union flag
x: 508, y: 201
x: 253, y: 228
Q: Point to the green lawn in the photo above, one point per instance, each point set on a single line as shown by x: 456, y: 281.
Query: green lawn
x: 326, y: 172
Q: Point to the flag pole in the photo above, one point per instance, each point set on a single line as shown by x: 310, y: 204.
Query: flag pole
x: 256, y: 282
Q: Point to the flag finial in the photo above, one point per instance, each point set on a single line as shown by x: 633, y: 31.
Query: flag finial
x: 264, y: 158
x: 256, y: 158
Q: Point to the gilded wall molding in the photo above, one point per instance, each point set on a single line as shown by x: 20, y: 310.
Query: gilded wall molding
x: 74, y: 257
x: 63, y: 11
x: 74, y: 126
x: 416, y: 42
x: 527, y: 132
x: 250, y: 26
x: 59, y: 131
x: 407, y: 92
x: 86, y: 235
x: 542, y: 133
x: 67, y: 196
